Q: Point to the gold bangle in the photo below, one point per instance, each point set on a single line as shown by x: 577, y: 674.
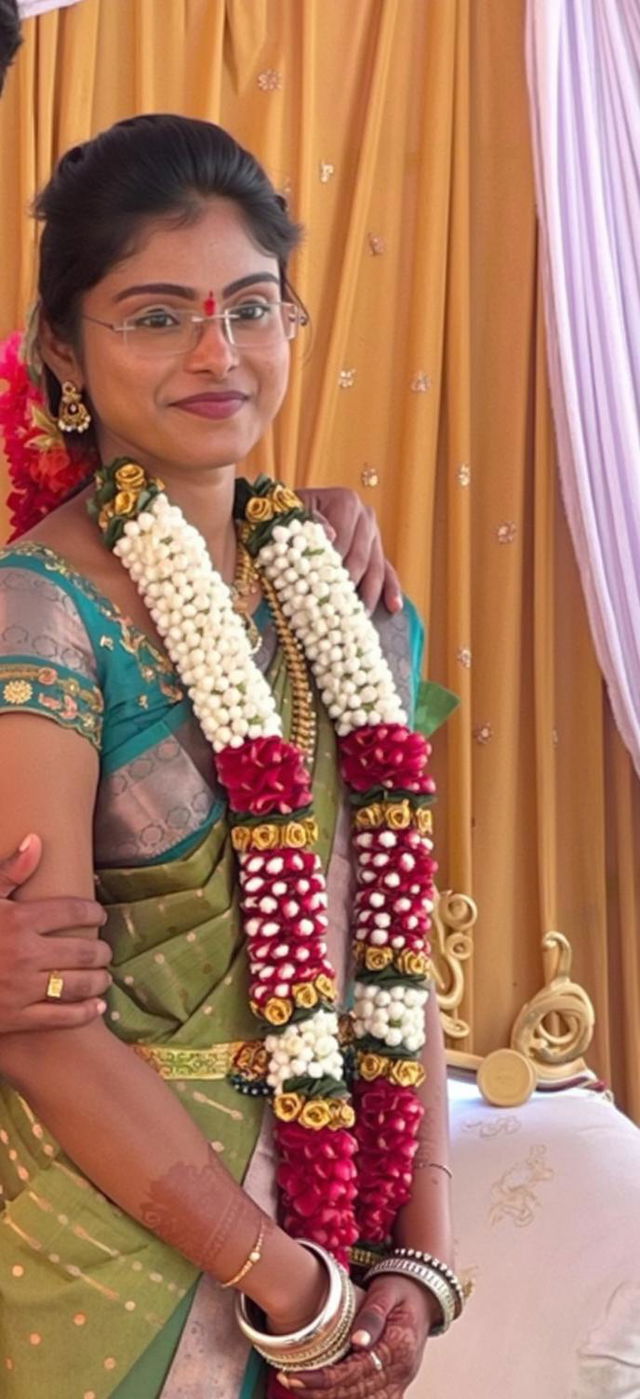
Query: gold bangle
x: 253, y: 1257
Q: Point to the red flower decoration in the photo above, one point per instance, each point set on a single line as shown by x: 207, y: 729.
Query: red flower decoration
x: 387, y: 1122
x: 42, y: 469
x: 317, y: 1180
x: 265, y: 776
x: 385, y: 755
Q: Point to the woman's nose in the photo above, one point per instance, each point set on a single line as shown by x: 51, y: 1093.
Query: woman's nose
x: 212, y: 350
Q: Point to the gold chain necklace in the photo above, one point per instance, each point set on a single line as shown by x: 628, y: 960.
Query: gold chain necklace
x: 246, y: 578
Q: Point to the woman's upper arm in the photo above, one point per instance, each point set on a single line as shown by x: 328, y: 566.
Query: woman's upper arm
x: 48, y: 784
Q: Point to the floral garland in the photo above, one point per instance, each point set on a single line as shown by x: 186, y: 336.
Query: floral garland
x: 43, y: 469
x: 320, y: 1126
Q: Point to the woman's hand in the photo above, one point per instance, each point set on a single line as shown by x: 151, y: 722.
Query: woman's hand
x: 393, y: 1322
x: 353, y: 529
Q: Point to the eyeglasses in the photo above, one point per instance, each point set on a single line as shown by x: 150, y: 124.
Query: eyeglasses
x: 254, y: 325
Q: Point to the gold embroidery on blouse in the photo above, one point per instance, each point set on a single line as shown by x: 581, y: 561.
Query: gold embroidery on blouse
x: 74, y: 704
x: 133, y: 641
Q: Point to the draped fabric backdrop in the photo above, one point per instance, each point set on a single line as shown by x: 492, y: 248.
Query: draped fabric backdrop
x: 399, y: 131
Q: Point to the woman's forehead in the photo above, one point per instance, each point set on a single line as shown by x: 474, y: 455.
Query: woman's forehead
x: 213, y: 248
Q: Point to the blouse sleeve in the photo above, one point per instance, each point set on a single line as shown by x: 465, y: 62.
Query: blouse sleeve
x: 47, y: 662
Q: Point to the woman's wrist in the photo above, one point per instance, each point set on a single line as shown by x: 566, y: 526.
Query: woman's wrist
x: 300, y: 1297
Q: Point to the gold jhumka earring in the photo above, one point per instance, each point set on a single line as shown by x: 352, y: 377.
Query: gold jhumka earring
x: 73, y: 414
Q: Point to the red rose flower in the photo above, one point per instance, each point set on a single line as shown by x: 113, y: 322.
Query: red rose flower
x: 265, y: 776
x: 385, y: 755
x: 388, y: 1118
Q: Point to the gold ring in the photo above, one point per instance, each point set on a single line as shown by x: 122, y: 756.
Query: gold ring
x: 55, y: 987
x: 376, y: 1360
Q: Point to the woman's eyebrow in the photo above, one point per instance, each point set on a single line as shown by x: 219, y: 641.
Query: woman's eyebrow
x: 190, y: 293
x: 158, y: 289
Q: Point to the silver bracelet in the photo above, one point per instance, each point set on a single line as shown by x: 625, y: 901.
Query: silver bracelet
x: 427, y: 1277
x: 323, y: 1336
x: 432, y: 1262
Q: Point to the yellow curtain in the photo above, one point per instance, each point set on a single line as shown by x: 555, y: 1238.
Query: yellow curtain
x: 399, y: 131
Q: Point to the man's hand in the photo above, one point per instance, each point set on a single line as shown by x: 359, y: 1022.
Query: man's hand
x: 353, y: 529
x: 30, y: 951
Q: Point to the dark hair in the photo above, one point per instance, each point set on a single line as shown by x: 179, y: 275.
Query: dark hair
x: 148, y: 166
x: 10, y: 36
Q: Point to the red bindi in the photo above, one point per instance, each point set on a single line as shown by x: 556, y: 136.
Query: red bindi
x: 209, y: 305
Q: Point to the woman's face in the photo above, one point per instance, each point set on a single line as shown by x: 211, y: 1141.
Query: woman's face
x: 208, y: 406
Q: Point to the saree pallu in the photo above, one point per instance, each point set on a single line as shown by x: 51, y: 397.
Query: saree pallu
x: 93, y: 1304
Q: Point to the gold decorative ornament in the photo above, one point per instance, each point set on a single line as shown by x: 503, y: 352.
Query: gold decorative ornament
x: 506, y: 1078
x: 555, y: 1028
x: 73, y: 414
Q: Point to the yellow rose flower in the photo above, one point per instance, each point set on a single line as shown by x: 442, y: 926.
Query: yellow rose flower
x: 259, y: 509
x: 130, y: 477
x: 326, y: 987
x: 125, y: 502
x: 398, y: 815
x: 278, y: 1010
x: 287, y: 1106
x: 423, y: 821
x: 342, y: 1114
x: 284, y: 499
x: 371, y: 1066
x: 315, y: 1114
x: 411, y: 963
x: 241, y: 838
x: 305, y: 995
x: 377, y: 958
x: 264, y: 837
x: 294, y: 835
x: 252, y: 1060
x: 406, y: 1073
x: 368, y: 818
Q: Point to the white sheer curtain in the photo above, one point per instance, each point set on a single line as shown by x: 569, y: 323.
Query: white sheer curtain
x: 28, y: 8
x: 583, y: 59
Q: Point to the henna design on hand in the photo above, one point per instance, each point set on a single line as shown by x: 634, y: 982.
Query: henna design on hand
x: 183, y: 1209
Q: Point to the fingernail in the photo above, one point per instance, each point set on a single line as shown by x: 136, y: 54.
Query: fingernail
x: 288, y: 1383
x: 24, y: 845
x: 361, y: 1338
x: 101, y: 1006
x: 398, y: 604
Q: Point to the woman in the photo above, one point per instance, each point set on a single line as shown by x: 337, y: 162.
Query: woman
x: 139, y: 1186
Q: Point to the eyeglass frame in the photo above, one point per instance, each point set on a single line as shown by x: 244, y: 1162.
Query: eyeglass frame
x: 301, y: 318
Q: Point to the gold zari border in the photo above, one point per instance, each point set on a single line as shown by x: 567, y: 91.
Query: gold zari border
x: 174, y: 1063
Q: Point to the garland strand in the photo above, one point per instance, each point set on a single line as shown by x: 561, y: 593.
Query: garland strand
x: 335, y: 1104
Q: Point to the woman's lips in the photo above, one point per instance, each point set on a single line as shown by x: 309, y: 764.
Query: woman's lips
x: 212, y: 405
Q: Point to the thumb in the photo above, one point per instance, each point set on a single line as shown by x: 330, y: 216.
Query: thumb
x: 371, y: 1319
x: 20, y: 865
